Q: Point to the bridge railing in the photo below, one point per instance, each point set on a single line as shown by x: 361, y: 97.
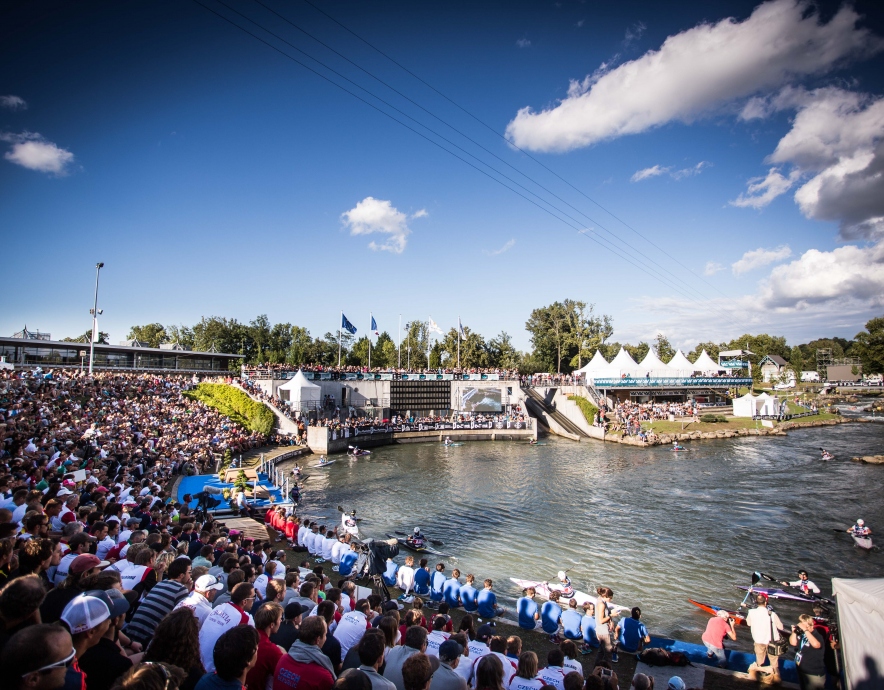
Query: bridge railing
x: 671, y: 382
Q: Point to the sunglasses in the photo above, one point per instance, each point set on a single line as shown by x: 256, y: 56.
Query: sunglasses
x: 66, y: 662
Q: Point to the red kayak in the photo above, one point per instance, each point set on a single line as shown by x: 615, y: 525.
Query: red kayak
x: 712, y: 610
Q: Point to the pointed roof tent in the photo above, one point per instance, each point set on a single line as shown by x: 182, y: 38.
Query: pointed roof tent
x: 597, y: 363
x: 624, y: 363
x: 680, y: 363
x: 299, y: 382
x: 652, y: 362
x: 705, y: 363
x: 745, y: 405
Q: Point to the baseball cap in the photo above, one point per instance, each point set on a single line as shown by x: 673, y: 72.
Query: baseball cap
x: 393, y: 605
x: 721, y: 613
x: 114, y: 599
x: 485, y: 632
x: 676, y: 683
x: 85, y: 562
x: 84, y: 613
x: 450, y: 650
x: 293, y: 610
x: 64, y: 492
x: 206, y: 583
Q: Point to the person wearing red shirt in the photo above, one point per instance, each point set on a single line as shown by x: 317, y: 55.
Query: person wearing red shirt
x: 718, y: 627
x: 305, y: 667
x: 268, y: 618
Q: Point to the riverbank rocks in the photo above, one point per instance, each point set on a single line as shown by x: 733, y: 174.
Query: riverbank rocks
x: 870, y: 459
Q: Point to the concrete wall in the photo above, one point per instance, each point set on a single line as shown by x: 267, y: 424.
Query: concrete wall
x: 325, y: 442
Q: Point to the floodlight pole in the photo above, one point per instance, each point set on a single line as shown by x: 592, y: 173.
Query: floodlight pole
x: 98, y: 268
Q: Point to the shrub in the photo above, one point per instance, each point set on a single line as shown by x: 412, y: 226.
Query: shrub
x: 713, y: 418
x: 234, y: 403
x: 589, y: 410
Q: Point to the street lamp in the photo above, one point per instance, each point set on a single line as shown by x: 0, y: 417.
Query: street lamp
x: 95, y: 311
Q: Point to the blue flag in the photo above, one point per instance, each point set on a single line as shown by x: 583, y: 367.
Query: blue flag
x: 346, y: 325
x: 463, y: 336
x: 374, y: 326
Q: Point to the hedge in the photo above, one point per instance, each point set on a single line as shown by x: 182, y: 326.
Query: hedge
x: 234, y: 403
x: 713, y: 418
x: 589, y: 410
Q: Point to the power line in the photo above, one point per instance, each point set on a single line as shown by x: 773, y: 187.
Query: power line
x: 555, y: 215
x: 492, y: 129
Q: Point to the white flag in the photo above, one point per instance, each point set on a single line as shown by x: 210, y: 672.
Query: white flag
x: 434, y: 327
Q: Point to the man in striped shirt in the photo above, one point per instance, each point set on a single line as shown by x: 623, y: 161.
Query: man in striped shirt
x: 159, y: 603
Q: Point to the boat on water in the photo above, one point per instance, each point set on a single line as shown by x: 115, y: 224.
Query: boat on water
x: 863, y: 542
x: 542, y: 590
x: 325, y: 464
x: 403, y: 542
x: 774, y: 593
x: 713, y: 610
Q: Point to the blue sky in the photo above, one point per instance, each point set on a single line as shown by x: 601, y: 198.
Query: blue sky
x: 214, y: 176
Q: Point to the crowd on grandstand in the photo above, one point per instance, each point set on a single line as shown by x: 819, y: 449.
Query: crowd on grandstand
x: 265, y: 370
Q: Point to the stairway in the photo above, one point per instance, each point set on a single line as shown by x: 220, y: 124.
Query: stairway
x: 283, y: 423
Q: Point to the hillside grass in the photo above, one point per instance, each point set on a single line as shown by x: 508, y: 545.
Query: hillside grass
x: 587, y: 408
x: 234, y: 403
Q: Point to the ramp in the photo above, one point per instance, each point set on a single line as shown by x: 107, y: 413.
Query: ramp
x: 539, y: 406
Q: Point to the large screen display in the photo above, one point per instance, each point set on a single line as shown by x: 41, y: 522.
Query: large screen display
x: 480, y: 400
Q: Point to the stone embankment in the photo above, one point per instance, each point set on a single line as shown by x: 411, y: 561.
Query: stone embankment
x: 668, y: 439
x: 870, y: 459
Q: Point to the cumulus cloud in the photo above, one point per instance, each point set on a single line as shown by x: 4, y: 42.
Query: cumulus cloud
x: 762, y: 190
x: 505, y: 248
x: 376, y: 215
x: 657, y: 170
x: 30, y: 150
x: 13, y: 103
x: 523, y: 43
x: 696, y: 72
x: 712, y: 268
x: 760, y: 257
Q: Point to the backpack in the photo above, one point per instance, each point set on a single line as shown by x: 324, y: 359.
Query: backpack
x: 656, y: 656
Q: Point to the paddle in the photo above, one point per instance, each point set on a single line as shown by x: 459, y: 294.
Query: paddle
x: 756, y: 576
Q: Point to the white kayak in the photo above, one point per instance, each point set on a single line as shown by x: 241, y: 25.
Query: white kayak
x: 862, y: 542
x: 543, y: 590
x: 325, y: 464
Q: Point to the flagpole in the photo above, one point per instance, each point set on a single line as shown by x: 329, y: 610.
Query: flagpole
x: 340, y: 334
x: 458, y: 342
x: 370, y: 318
x: 399, y: 344
x: 428, y: 340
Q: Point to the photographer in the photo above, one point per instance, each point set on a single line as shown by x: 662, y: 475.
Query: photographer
x: 810, y: 658
x: 719, y: 626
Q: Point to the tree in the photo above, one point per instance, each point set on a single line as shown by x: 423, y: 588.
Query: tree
x: 796, y: 361
x: 588, y: 331
x: 712, y: 349
x: 869, y: 346
x: 551, y: 333
x: 101, y: 337
x: 298, y: 352
x: 183, y: 335
x: 502, y: 354
x: 259, y: 330
x: 663, y: 349
x: 414, y: 344
x: 637, y: 352
x: 152, y: 334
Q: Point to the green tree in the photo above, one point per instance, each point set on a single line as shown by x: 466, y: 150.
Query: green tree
x: 637, y: 352
x: 796, y: 361
x: 358, y: 354
x: 102, y: 337
x: 259, y: 330
x: 183, y: 335
x: 152, y: 334
x: 551, y: 334
x: 414, y: 344
x: 502, y: 354
x: 588, y: 331
x: 663, y: 349
x: 869, y: 346
x: 299, y: 350
x: 712, y: 349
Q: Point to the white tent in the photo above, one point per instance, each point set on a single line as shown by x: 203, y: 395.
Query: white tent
x: 303, y: 394
x: 624, y: 364
x: 861, y: 622
x: 767, y: 405
x: 745, y: 406
x: 680, y: 364
x: 596, y: 364
x: 654, y: 366
x: 705, y: 364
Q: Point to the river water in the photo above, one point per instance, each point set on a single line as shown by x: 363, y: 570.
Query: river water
x: 657, y: 527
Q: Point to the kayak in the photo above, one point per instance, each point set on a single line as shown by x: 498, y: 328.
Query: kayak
x: 452, y: 445
x: 542, y: 591
x: 862, y: 542
x: 828, y: 456
x: 712, y: 610
x: 325, y: 464
x: 403, y: 542
x: 359, y: 454
x: 774, y: 593
x: 680, y: 450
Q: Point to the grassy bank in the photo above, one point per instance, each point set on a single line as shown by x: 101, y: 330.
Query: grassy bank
x: 587, y: 408
x: 234, y: 403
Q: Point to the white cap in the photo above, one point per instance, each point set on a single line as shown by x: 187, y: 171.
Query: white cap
x: 84, y: 613
x: 561, y: 574
x: 64, y: 492
x: 860, y: 522
x: 206, y: 583
x: 417, y: 530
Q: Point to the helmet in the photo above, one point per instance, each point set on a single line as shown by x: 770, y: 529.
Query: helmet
x: 417, y: 530
x: 352, y: 512
x: 561, y: 574
x: 860, y: 522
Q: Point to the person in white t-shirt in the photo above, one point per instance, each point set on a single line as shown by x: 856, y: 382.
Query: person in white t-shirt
x: 205, y: 589
x: 526, y: 673
x: 554, y: 673
x: 405, y: 575
x: 224, y: 617
x: 437, y: 637
x: 352, y: 627
x: 339, y: 548
x: 497, y: 645
x: 765, y: 626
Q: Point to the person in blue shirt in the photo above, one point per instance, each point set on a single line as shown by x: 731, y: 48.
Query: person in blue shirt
x: 422, y: 579
x: 451, y: 590
x: 571, y: 621
x: 587, y: 626
x: 550, y: 614
x: 348, y: 560
x: 631, y: 634
x: 390, y: 573
x: 528, y: 610
x: 468, y: 595
x: 437, y: 583
x: 487, y: 602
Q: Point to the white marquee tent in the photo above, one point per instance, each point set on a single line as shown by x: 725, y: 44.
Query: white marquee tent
x: 624, y: 364
x: 861, y: 619
x: 303, y: 394
x: 745, y: 405
x: 705, y: 364
x: 654, y: 366
x: 594, y: 366
x: 680, y: 364
x: 767, y: 405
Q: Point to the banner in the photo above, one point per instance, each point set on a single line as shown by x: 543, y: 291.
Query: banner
x: 732, y: 364
x: 481, y: 377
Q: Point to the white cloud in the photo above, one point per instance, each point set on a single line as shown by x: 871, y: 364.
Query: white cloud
x: 376, y: 215
x: 696, y: 72
x: 633, y: 33
x: 760, y: 257
x: 30, y: 150
x: 505, y: 248
x: 13, y: 103
x: 523, y: 43
x: 647, y: 173
x: 689, y: 172
x: 580, y: 23
x: 712, y: 268
x: 762, y: 190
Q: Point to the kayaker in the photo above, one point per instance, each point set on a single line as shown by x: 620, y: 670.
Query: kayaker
x: 447, y: 441
x: 860, y: 529
x: 527, y: 609
x: 348, y: 522
x: 803, y: 584
x: 563, y: 587
x: 416, y: 539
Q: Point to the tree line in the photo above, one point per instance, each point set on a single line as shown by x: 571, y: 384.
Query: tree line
x: 564, y: 337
